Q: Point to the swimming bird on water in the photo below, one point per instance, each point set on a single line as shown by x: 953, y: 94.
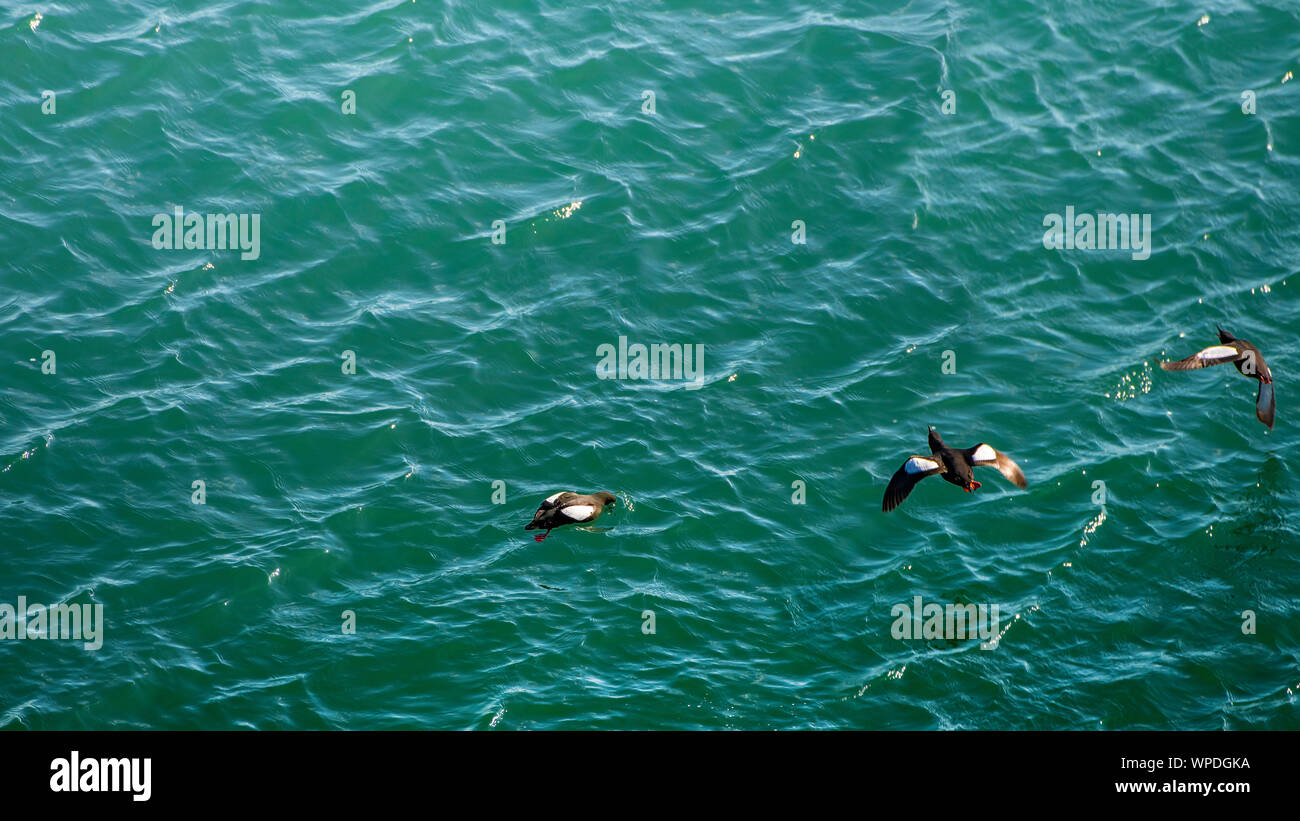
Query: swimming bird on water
x: 953, y: 464
x: 568, y: 508
x: 1248, y: 360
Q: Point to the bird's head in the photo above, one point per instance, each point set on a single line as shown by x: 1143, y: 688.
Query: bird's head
x: 607, y: 498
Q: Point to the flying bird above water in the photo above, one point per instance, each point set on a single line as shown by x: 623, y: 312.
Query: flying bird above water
x: 954, y: 465
x: 568, y: 508
x: 1248, y: 360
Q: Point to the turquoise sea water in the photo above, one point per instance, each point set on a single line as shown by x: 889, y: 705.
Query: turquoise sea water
x: 476, y: 363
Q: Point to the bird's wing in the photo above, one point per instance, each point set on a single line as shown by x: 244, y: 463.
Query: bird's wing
x: 578, y: 513
x: 556, y: 500
x: 1265, y: 405
x: 549, y: 509
x: 1213, y: 355
x: 983, y: 454
x: 905, y: 478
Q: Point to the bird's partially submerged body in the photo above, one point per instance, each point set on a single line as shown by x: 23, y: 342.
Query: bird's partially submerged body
x: 1248, y: 360
x: 953, y: 464
x: 568, y: 508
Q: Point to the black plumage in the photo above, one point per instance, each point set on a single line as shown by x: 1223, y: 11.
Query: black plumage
x: 953, y: 464
x: 1248, y: 360
x: 568, y: 508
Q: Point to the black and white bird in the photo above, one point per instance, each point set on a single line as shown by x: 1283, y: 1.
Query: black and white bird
x: 1248, y: 360
x: 953, y: 464
x: 568, y: 508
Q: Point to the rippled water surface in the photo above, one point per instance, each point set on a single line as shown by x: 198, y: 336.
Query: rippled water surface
x: 476, y: 363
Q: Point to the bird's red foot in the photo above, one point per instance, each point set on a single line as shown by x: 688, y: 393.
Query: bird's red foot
x: 540, y: 536
x: 974, y: 485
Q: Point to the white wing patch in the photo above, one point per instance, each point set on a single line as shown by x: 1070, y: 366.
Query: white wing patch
x: 554, y: 496
x: 918, y: 464
x: 578, y: 512
x: 984, y: 453
x: 1218, y: 352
